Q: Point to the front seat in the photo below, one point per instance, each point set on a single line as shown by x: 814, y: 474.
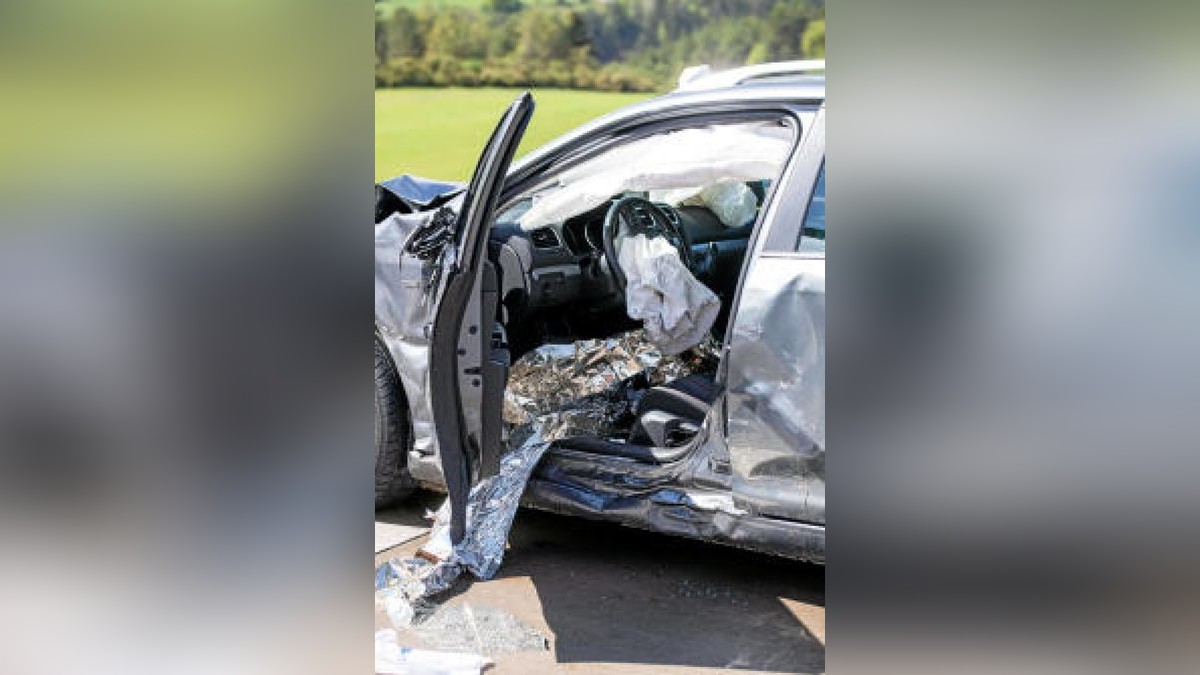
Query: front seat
x: 671, y: 415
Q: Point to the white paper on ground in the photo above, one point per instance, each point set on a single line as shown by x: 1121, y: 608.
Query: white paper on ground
x: 676, y: 309
x: 391, y: 658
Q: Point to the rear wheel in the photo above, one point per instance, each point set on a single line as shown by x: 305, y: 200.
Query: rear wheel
x: 392, y: 432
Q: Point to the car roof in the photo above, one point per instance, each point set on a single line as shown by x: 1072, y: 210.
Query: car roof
x: 792, y: 88
x: 703, y: 77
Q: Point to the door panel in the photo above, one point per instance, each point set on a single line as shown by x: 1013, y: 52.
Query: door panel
x: 775, y: 379
x: 465, y: 349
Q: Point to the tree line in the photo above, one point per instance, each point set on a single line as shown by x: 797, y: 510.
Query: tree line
x: 619, y: 45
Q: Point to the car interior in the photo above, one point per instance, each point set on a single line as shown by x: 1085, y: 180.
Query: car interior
x: 559, y: 285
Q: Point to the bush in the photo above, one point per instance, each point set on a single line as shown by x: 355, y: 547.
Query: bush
x: 445, y: 72
x: 618, y: 45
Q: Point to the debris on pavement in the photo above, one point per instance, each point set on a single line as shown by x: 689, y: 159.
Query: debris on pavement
x: 556, y: 391
x: 403, y: 586
x: 391, y: 658
x: 480, y: 629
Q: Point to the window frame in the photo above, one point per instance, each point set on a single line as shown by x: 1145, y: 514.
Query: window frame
x: 782, y: 233
x: 819, y: 180
x: 651, y: 124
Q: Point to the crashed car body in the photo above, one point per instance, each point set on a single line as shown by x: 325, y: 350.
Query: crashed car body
x: 479, y: 286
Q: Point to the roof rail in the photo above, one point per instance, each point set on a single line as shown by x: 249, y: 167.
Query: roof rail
x: 697, y: 78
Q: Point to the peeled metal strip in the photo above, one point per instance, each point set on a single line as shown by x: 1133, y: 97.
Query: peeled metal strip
x: 403, y: 586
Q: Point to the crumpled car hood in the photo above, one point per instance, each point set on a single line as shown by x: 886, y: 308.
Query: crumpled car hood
x: 412, y: 194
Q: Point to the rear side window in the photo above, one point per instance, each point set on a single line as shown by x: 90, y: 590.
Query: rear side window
x: 812, y: 236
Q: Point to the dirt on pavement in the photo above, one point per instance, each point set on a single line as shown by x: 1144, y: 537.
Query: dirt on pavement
x: 580, y: 596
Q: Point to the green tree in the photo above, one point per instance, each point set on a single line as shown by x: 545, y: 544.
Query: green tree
x: 457, y: 33
x: 758, y: 54
x: 503, y: 6
x: 812, y: 42
x: 615, y: 44
x: 547, y: 34
x: 381, y: 42
x: 405, y: 34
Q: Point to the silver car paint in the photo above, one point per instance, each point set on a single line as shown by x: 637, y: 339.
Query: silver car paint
x: 404, y: 290
x: 722, y: 492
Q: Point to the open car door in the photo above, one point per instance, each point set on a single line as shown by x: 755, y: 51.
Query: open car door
x: 468, y: 353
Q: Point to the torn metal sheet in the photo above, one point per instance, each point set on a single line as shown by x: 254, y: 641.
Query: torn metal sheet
x: 676, y: 512
x: 431, y: 236
x: 557, y: 391
x: 412, y: 194
x: 591, y: 387
x: 404, y: 586
x: 409, y: 252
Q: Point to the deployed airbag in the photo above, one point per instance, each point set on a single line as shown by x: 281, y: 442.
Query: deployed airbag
x: 733, y: 203
x: 676, y: 309
x: 680, y: 159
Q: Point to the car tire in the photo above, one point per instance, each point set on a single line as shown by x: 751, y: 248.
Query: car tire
x: 392, y: 433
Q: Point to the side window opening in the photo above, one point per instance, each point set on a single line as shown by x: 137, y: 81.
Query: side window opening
x: 579, y: 337
x: 812, y: 235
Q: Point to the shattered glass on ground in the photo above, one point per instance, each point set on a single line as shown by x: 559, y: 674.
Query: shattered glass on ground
x: 591, y: 387
x: 483, y: 630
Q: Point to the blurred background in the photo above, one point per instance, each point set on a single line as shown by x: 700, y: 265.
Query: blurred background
x: 185, y: 420
x: 447, y: 68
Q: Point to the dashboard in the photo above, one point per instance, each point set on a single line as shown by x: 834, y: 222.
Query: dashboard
x: 584, y: 234
x: 560, y: 268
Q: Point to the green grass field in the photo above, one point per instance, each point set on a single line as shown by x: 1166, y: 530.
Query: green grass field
x: 439, y: 133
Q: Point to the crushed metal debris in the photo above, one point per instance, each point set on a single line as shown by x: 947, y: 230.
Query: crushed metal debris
x: 403, y: 586
x: 591, y: 387
x: 587, y: 388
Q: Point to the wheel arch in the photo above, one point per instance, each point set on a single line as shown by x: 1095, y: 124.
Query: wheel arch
x: 405, y: 395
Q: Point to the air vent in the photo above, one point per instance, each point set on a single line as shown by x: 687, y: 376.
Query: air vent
x: 544, y: 237
x: 642, y: 217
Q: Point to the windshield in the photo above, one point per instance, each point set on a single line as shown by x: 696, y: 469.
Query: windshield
x: 684, y: 161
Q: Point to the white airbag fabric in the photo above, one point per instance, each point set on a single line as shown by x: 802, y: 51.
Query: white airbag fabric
x: 676, y: 309
x: 680, y: 159
x: 733, y: 203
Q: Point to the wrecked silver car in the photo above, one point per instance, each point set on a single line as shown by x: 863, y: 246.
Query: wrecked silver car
x: 643, y: 298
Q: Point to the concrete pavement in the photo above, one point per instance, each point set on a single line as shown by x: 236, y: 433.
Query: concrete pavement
x: 578, y: 596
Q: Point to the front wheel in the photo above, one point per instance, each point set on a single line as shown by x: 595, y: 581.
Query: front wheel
x: 392, y: 432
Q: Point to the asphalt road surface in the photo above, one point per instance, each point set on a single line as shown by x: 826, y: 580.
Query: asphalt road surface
x: 578, y: 596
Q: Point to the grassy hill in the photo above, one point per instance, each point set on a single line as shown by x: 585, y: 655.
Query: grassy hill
x: 439, y: 133
x: 609, y: 45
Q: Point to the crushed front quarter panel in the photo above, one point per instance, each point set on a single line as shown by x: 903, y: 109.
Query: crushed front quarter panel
x: 406, y: 285
x: 776, y: 390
